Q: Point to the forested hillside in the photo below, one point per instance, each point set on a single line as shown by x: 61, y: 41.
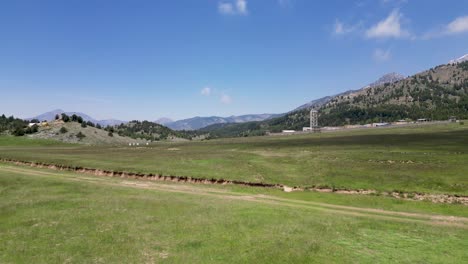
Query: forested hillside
x: 149, y: 131
x: 293, y: 120
x: 437, y: 94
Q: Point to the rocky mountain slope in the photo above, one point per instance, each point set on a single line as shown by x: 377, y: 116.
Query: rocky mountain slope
x: 459, y: 60
x: 317, y: 103
x: 437, y: 93
x: 73, y: 132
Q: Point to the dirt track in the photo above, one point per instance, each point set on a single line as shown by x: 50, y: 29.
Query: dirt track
x: 218, y: 193
x: 435, y: 198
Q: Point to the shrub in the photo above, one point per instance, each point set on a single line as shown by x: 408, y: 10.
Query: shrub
x: 19, y: 131
x: 31, y: 130
x: 84, y: 124
x: 462, y: 123
x: 110, y: 134
x: 65, y: 118
x: 63, y: 130
x: 80, y: 135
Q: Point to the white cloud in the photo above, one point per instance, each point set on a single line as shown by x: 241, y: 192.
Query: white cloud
x: 206, y: 91
x: 241, y: 6
x: 390, y: 27
x: 339, y: 28
x: 380, y: 55
x: 225, y: 99
x: 237, y: 7
x: 226, y: 8
x: 459, y: 25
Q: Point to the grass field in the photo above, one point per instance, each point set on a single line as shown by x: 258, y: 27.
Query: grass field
x: 431, y: 159
x: 63, y: 217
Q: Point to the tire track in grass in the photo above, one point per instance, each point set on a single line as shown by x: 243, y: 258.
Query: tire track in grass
x: 452, y: 221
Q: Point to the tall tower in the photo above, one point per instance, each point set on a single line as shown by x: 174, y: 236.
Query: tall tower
x: 313, y: 119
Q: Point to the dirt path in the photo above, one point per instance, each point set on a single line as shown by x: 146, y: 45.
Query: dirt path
x: 435, y: 198
x: 461, y: 222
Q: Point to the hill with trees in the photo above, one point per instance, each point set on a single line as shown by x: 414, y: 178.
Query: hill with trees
x: 151, y: 131
x: 438, y: 93
x: 75, y: 129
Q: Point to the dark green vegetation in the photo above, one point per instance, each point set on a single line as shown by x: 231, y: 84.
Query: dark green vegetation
x: 52, y: 217
x: 16, y: 126
x: 294, y: 120
x: 139, y: 130
x: 430, y: 158
x: 437, y: 94
x: 150, y: 131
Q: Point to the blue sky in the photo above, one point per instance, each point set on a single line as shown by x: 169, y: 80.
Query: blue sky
x: 178, y: 59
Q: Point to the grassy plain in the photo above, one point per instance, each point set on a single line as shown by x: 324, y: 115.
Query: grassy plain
x: 431, y: 159
x: 56, y: 217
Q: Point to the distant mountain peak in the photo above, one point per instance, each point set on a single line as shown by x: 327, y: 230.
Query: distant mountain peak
x: 163, y: 120
x: 459, y: 60
x: 387, y: 78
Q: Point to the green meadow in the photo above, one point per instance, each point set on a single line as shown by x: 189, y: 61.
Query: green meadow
x: 62, y: 217
x: 430, y: 159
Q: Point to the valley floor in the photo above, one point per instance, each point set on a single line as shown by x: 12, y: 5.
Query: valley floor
x: 428, y: 159
x: 49, y: 216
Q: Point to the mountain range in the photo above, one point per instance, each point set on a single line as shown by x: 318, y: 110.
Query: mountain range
x: 184, y: 124
x: 438, y: 93
x: 49, y: 116
x: 392, y: 95
x: 201, y: 122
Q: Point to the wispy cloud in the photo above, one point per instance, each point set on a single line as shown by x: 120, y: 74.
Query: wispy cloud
x: 225, y: 99
x: 241, y: 7
x: 340, y: 28
x: 457, y: 26
x: 226, y: 8
x: 381, y: 55
x: 389, y: 27
x: 214, y: 93
x: 237, y: 7
x: 206, y: 91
